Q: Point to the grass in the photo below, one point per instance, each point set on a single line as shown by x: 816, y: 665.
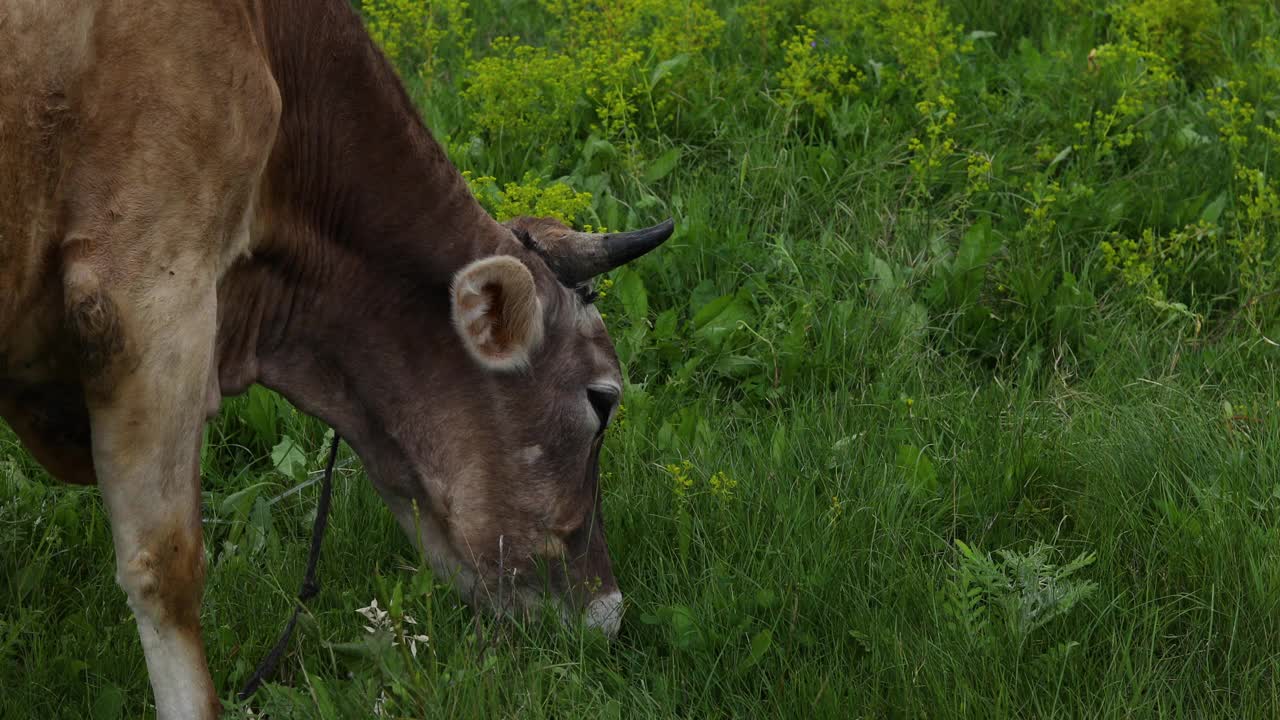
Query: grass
x: 983, y: 469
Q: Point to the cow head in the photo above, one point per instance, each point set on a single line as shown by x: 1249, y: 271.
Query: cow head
x: 517, y: 418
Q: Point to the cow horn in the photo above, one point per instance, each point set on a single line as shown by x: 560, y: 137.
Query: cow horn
x: 623, y: 247
x: 577, y: 256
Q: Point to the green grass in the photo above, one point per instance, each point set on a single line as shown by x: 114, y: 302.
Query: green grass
x: 894, y: 364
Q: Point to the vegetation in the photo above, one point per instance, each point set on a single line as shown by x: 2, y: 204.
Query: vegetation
x: 955, y: 394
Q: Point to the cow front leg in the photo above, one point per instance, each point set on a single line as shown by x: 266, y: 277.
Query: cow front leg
x: 146, y: 358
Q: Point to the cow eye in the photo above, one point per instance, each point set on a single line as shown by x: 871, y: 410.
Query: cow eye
x: 603, y: 399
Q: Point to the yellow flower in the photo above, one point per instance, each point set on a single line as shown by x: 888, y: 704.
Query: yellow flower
x: 680, y: 480
x: 722, y: 486
x: 814, y: 75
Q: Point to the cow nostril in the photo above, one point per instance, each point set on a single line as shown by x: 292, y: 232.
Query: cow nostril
x: 604, y: 613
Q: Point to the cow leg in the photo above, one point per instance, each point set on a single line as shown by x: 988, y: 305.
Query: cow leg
x: 146, y: 351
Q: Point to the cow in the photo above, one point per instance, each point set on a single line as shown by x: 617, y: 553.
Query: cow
x: 201, y: 195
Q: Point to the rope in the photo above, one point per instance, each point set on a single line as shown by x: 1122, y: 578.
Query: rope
x: 310, y: 585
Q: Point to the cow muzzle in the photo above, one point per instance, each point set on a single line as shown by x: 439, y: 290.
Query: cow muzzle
x: 604, y: 613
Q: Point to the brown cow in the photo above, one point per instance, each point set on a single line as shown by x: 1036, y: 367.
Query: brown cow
x: 198, y: 195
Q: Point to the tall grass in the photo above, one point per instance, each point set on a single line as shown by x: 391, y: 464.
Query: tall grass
x: 973, y: 302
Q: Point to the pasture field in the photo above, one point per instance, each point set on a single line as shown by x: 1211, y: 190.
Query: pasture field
x: 956, y: 393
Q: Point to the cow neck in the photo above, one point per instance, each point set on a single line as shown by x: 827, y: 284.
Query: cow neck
x: 353, y: 161
x: 361, y: 223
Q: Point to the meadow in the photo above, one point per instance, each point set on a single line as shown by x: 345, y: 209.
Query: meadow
x: 956, y: 393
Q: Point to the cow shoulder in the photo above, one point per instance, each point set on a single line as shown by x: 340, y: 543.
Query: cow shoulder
x: 135, y: 154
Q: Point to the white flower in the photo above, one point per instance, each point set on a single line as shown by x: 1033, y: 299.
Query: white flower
x: 413, y: 643
x: 380, y: 620
x: 377, y: 617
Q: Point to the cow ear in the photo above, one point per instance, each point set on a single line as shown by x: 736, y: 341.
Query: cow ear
x: 497, y: 312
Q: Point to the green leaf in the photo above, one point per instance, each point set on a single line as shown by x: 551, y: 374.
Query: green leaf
x: 737, y: 366
x: 882, y: 275
x: 237, y: 504
x: 684, y: 628
x: 778, y: 445
x: 364, y: 648
x: 684, y: 533
x: 662, y: 166
x: 918, y: 469
x: 913, y: 320
x: 959, y: 283
x: 668, y: 67
x: 631, y: 341
x: 760, y: 645
x: 31, y: 577
x: 976, y: 248
x: 710, y: 311
x: 688, y: 428
x: 289, y: 459
x: 717, y: 321
x: 261, y: 530
x: 861, y: 638
x: 1214, y: 209
x: 665, y: 326
x: 1187, y: 137
x: 261, y: 413
x: 110, y: 704
x: 597, y: 146
x: 1063, y: 154
x: 324, y: 701
x: 686, y: 371
x: 630, y: 289
x: 703, y: 294
x: 1071, y: 305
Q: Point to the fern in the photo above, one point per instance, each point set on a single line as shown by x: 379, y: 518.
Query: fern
x: 1020, y: 592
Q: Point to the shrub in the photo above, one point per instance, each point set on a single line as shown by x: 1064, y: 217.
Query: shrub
x: 1130, y: 84
x: 524, y: 94
x: 1183, y: 31
x: 614, y: 55
x: 991, y: 601
x: 531, y: 197
x: 815, y: 75
x: 925, y: 42
x: 417, y: 34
